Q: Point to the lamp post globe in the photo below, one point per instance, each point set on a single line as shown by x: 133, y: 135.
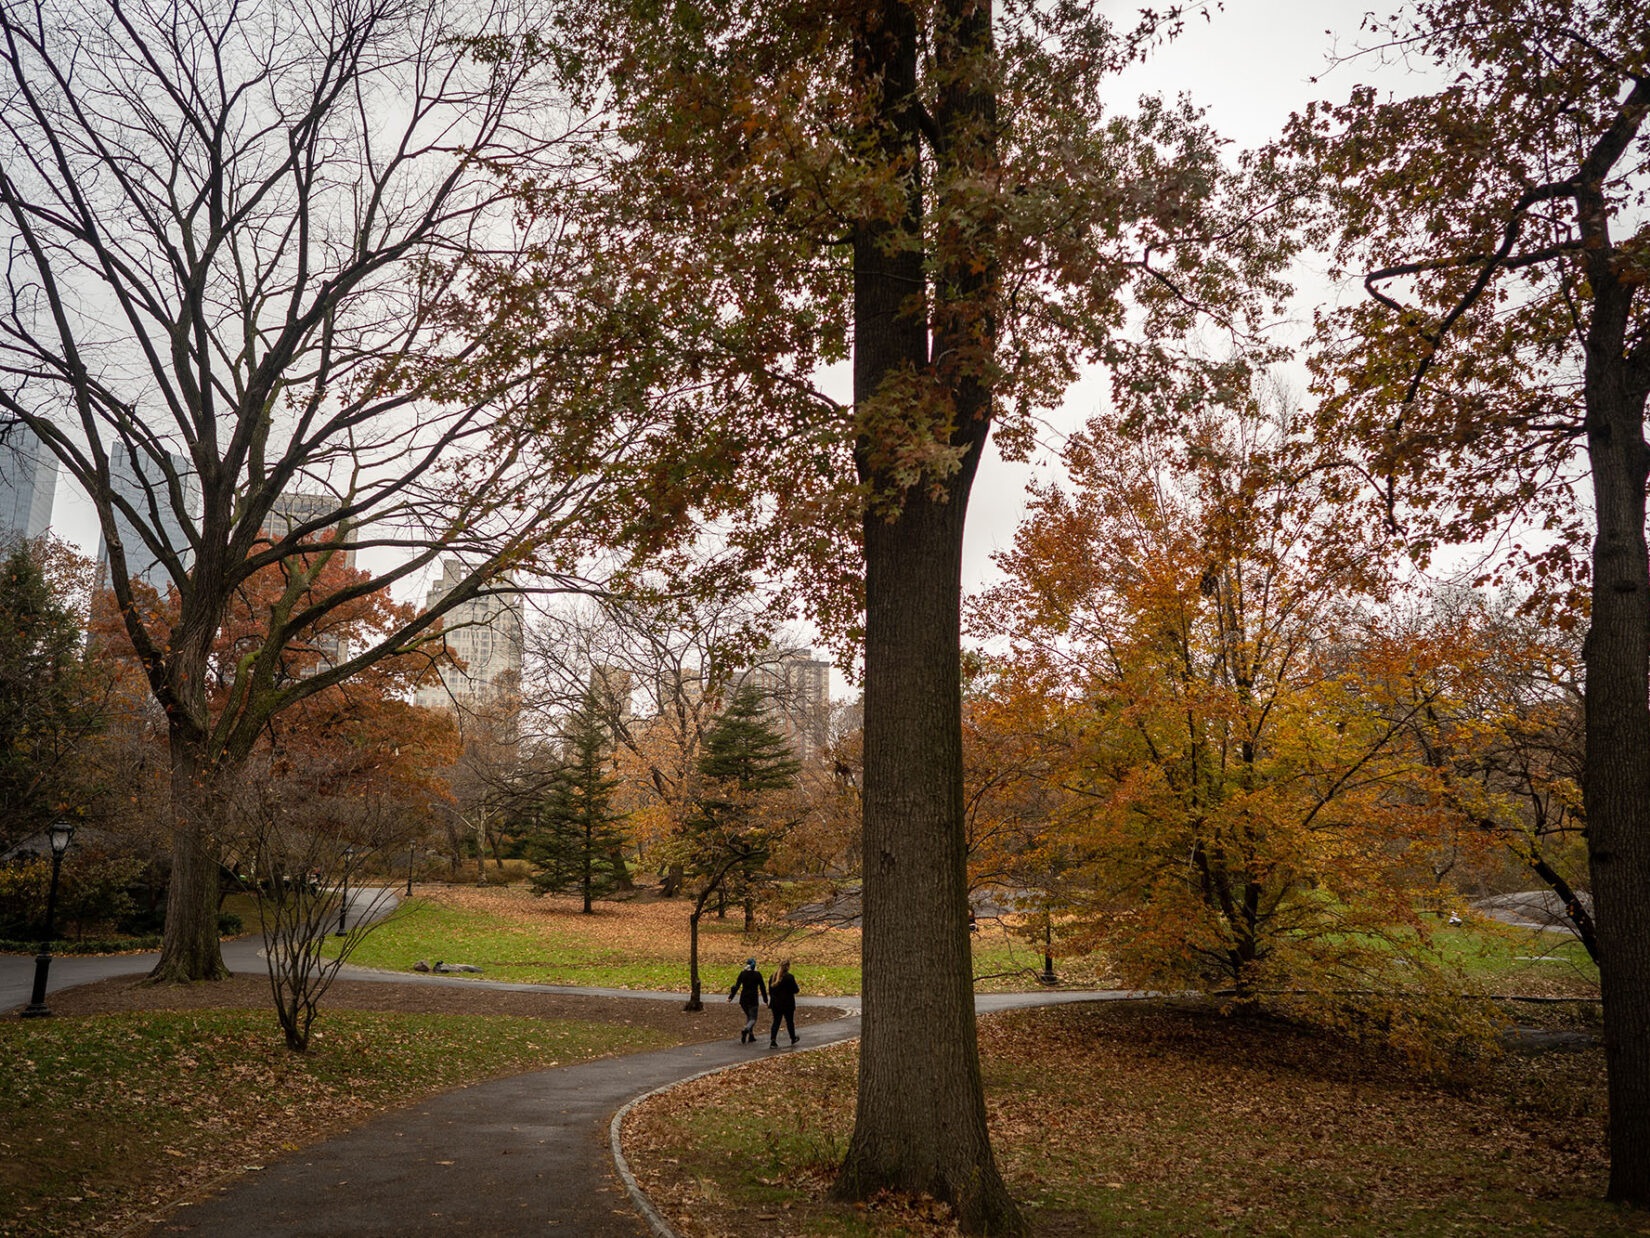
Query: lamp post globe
x: 60, y: 835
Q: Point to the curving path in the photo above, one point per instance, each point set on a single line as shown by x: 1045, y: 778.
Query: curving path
x: 242, y: 954
x: 525, y: 1155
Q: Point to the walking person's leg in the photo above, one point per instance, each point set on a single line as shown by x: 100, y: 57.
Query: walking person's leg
x: 750, y: 1024
x: 773, y: 1032
x: 790, y: 1026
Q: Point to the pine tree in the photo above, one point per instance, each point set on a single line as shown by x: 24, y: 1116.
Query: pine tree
x: 50, y: 698
x: 745, y: 753
x: 731, y: 833
x: 578, y: 840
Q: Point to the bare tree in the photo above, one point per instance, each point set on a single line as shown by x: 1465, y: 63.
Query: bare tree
x: 306, y: 858
x: 230, y: 231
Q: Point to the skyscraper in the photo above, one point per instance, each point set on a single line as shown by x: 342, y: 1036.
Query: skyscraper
x: 28, y: 481
x: 797, y: 688
x: 138, y: 480
x: 485, y: 633
x: 295, y: 507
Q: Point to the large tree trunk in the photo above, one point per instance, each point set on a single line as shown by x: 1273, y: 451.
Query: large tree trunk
x: 1616, y: 784
x: 920, y: 1125
x: 189, y: 950
x: 921, y: 1121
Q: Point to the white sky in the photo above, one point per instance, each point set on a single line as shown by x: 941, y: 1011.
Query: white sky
x: 1249, y: 66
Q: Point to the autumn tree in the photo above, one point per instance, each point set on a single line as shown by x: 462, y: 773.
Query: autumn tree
x: 1221, y: 709
x: 1501, y: 355
x: 740, y: 810
x: 1019, y: 849
x: 336, y: 790
x: 935, y: 189
x: 496, y: 781
x: 233, y: 231
x: 52, y: 695
x: 357, y: 737
x: 1505, y: 743
x: 577, y: 836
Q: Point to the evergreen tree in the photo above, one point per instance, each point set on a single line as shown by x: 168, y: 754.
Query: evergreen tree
x: 49, y: 698
x: 578, y: 843
x: 729, y: 837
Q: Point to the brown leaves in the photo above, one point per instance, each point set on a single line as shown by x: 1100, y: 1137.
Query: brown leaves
x: 1158, y: 1119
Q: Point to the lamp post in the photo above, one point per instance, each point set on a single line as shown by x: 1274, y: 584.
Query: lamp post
x: 61, y: 833
x: 412, y: 858
x: 1048, y: 976
x: 343, y: 894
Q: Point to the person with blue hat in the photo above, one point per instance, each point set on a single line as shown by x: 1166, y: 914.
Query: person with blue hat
x: 750, y: 988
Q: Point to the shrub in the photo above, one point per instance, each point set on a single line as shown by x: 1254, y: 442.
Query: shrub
x: 92, y: 890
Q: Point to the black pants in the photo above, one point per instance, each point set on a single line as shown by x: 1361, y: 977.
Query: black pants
x: 790, y: 1024
x: 751, y: 1012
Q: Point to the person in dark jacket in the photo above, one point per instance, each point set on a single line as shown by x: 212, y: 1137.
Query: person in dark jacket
x: 749, y: 987
x: 782, y: 1001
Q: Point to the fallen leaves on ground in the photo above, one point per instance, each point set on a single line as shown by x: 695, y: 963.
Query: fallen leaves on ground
x: 1165, y: 1119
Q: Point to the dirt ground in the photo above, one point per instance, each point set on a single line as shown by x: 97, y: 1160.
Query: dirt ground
x: 250, y: 992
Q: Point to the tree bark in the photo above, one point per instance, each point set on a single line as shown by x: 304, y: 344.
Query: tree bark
x: 693, y: 1001
x: 189, y: 949
x: 920, y: 1125
x: 1616, y: 783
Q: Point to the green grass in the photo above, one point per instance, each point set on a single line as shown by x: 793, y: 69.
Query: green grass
x: 1143, y: 1119
x: 643, y: 946
x: 108, y: 1117
x: 574, y: 950
x: 1494, y: 953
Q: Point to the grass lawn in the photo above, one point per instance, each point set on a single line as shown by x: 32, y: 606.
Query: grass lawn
x: 643, y: 944
x: 1128, y: 1118
x: 1513, y: 960
x: 106, y: 1119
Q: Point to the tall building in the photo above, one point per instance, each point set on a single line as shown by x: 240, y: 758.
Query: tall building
x: 798, y: 690
x: 294, y: 507
x: 28, y: 481
x: 485, y: 634
x: 137, y: 478
x: 613, y: 687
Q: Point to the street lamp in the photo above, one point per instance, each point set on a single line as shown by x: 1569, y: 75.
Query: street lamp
x: 1048, y: 976
x: 61, y: 833
x: 343, y: 894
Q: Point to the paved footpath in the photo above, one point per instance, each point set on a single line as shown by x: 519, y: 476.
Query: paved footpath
x: 244, y: 954
x: 525, y: 1155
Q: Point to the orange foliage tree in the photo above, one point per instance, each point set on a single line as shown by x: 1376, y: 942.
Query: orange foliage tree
x: 1223, y: 713
x: 1498, y: 370
x: 359, y: 739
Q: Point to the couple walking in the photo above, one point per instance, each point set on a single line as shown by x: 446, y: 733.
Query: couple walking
x: 780, y: 994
